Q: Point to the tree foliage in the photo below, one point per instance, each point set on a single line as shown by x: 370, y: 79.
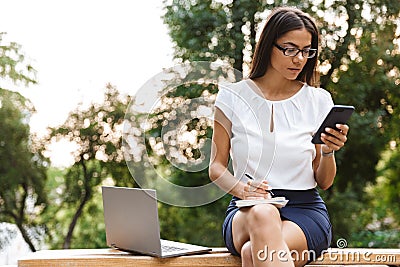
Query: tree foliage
x: 22, y: 170
x: 13, y: 64
x: 97, y: 133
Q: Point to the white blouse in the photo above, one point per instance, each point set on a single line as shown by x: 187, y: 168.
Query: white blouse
x: 271, y: 140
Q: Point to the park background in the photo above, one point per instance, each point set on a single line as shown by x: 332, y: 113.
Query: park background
x: 58, y: 205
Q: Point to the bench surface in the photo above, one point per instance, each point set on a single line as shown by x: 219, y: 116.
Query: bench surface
x: 217, y: 257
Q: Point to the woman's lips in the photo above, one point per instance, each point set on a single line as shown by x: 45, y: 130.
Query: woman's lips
x: 294, y: 70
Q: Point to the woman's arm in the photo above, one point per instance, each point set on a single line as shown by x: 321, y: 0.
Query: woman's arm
x: 218, y: 169
x: 324, y: 169
x: 324, y: 163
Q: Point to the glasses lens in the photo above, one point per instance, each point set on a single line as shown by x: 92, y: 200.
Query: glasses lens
x: 309, y: 53
x: 291, y: 52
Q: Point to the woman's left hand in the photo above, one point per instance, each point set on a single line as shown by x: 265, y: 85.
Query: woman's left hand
x: 335, y: 139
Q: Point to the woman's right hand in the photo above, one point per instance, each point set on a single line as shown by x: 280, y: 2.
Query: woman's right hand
x: 256, y: 190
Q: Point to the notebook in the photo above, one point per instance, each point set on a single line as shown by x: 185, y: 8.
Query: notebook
x: 278, y: 202
x: 132, y: 223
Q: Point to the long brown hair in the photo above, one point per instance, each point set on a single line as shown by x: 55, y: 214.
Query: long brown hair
x: 279, y: 22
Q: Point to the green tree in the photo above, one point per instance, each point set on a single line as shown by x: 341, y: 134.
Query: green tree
x: 22, y: 170
x: 381, y: 217
x: 14, y: 66
x: 89, y: 229
x: 97, y: 133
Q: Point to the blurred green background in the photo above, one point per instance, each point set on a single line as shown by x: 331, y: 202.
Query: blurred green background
x: 359, y: 64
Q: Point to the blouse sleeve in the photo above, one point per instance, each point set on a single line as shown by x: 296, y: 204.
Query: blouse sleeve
x: 225, y: 101
x: 325, y: 105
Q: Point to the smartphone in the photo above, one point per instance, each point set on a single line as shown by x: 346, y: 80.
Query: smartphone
x: 338, y: 114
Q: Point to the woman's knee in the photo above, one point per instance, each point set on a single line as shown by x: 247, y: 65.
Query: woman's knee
x: 263, y: 216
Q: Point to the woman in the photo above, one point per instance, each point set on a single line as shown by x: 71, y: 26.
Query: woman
x: 265, y: 123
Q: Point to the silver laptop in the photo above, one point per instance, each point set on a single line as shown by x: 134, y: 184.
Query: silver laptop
x: 131, y: 219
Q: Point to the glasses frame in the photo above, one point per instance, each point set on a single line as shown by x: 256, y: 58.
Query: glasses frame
x: 305, y: 50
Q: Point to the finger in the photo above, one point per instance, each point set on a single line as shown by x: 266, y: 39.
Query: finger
x: 257, y: 196
x: 261, y: 194
x: 265, y: 186
x: 259, y: 186
x: 331, y: 142
x: 254, y: 198
x: 257, y: 183
x: 332, y: 132
x: 344, y: 128
x: 257, y: 191
x: 250, y: 188
x: 335, y: 134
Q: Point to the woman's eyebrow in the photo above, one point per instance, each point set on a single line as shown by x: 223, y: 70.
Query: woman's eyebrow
x: 295, y: 45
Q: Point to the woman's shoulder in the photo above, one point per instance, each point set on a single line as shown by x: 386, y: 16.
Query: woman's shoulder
x: 234, y: 86
x: 229, y: 94
x: 234, y: 90
x: 317, y: 92
x: 320, y: 98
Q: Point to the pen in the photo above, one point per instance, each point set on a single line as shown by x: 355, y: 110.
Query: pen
x: 251, y: 178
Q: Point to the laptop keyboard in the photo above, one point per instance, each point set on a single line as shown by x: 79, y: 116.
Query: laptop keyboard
x: 166, y: 248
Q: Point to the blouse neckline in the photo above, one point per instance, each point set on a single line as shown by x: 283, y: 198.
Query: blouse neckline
x: 257, y: 91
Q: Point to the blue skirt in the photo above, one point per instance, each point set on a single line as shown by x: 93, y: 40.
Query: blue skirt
x: 305, y: 208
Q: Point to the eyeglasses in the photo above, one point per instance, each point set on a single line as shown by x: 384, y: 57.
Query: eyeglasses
x: 292, y: 52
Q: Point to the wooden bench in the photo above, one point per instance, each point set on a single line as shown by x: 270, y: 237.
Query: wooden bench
x: 217, y: 257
